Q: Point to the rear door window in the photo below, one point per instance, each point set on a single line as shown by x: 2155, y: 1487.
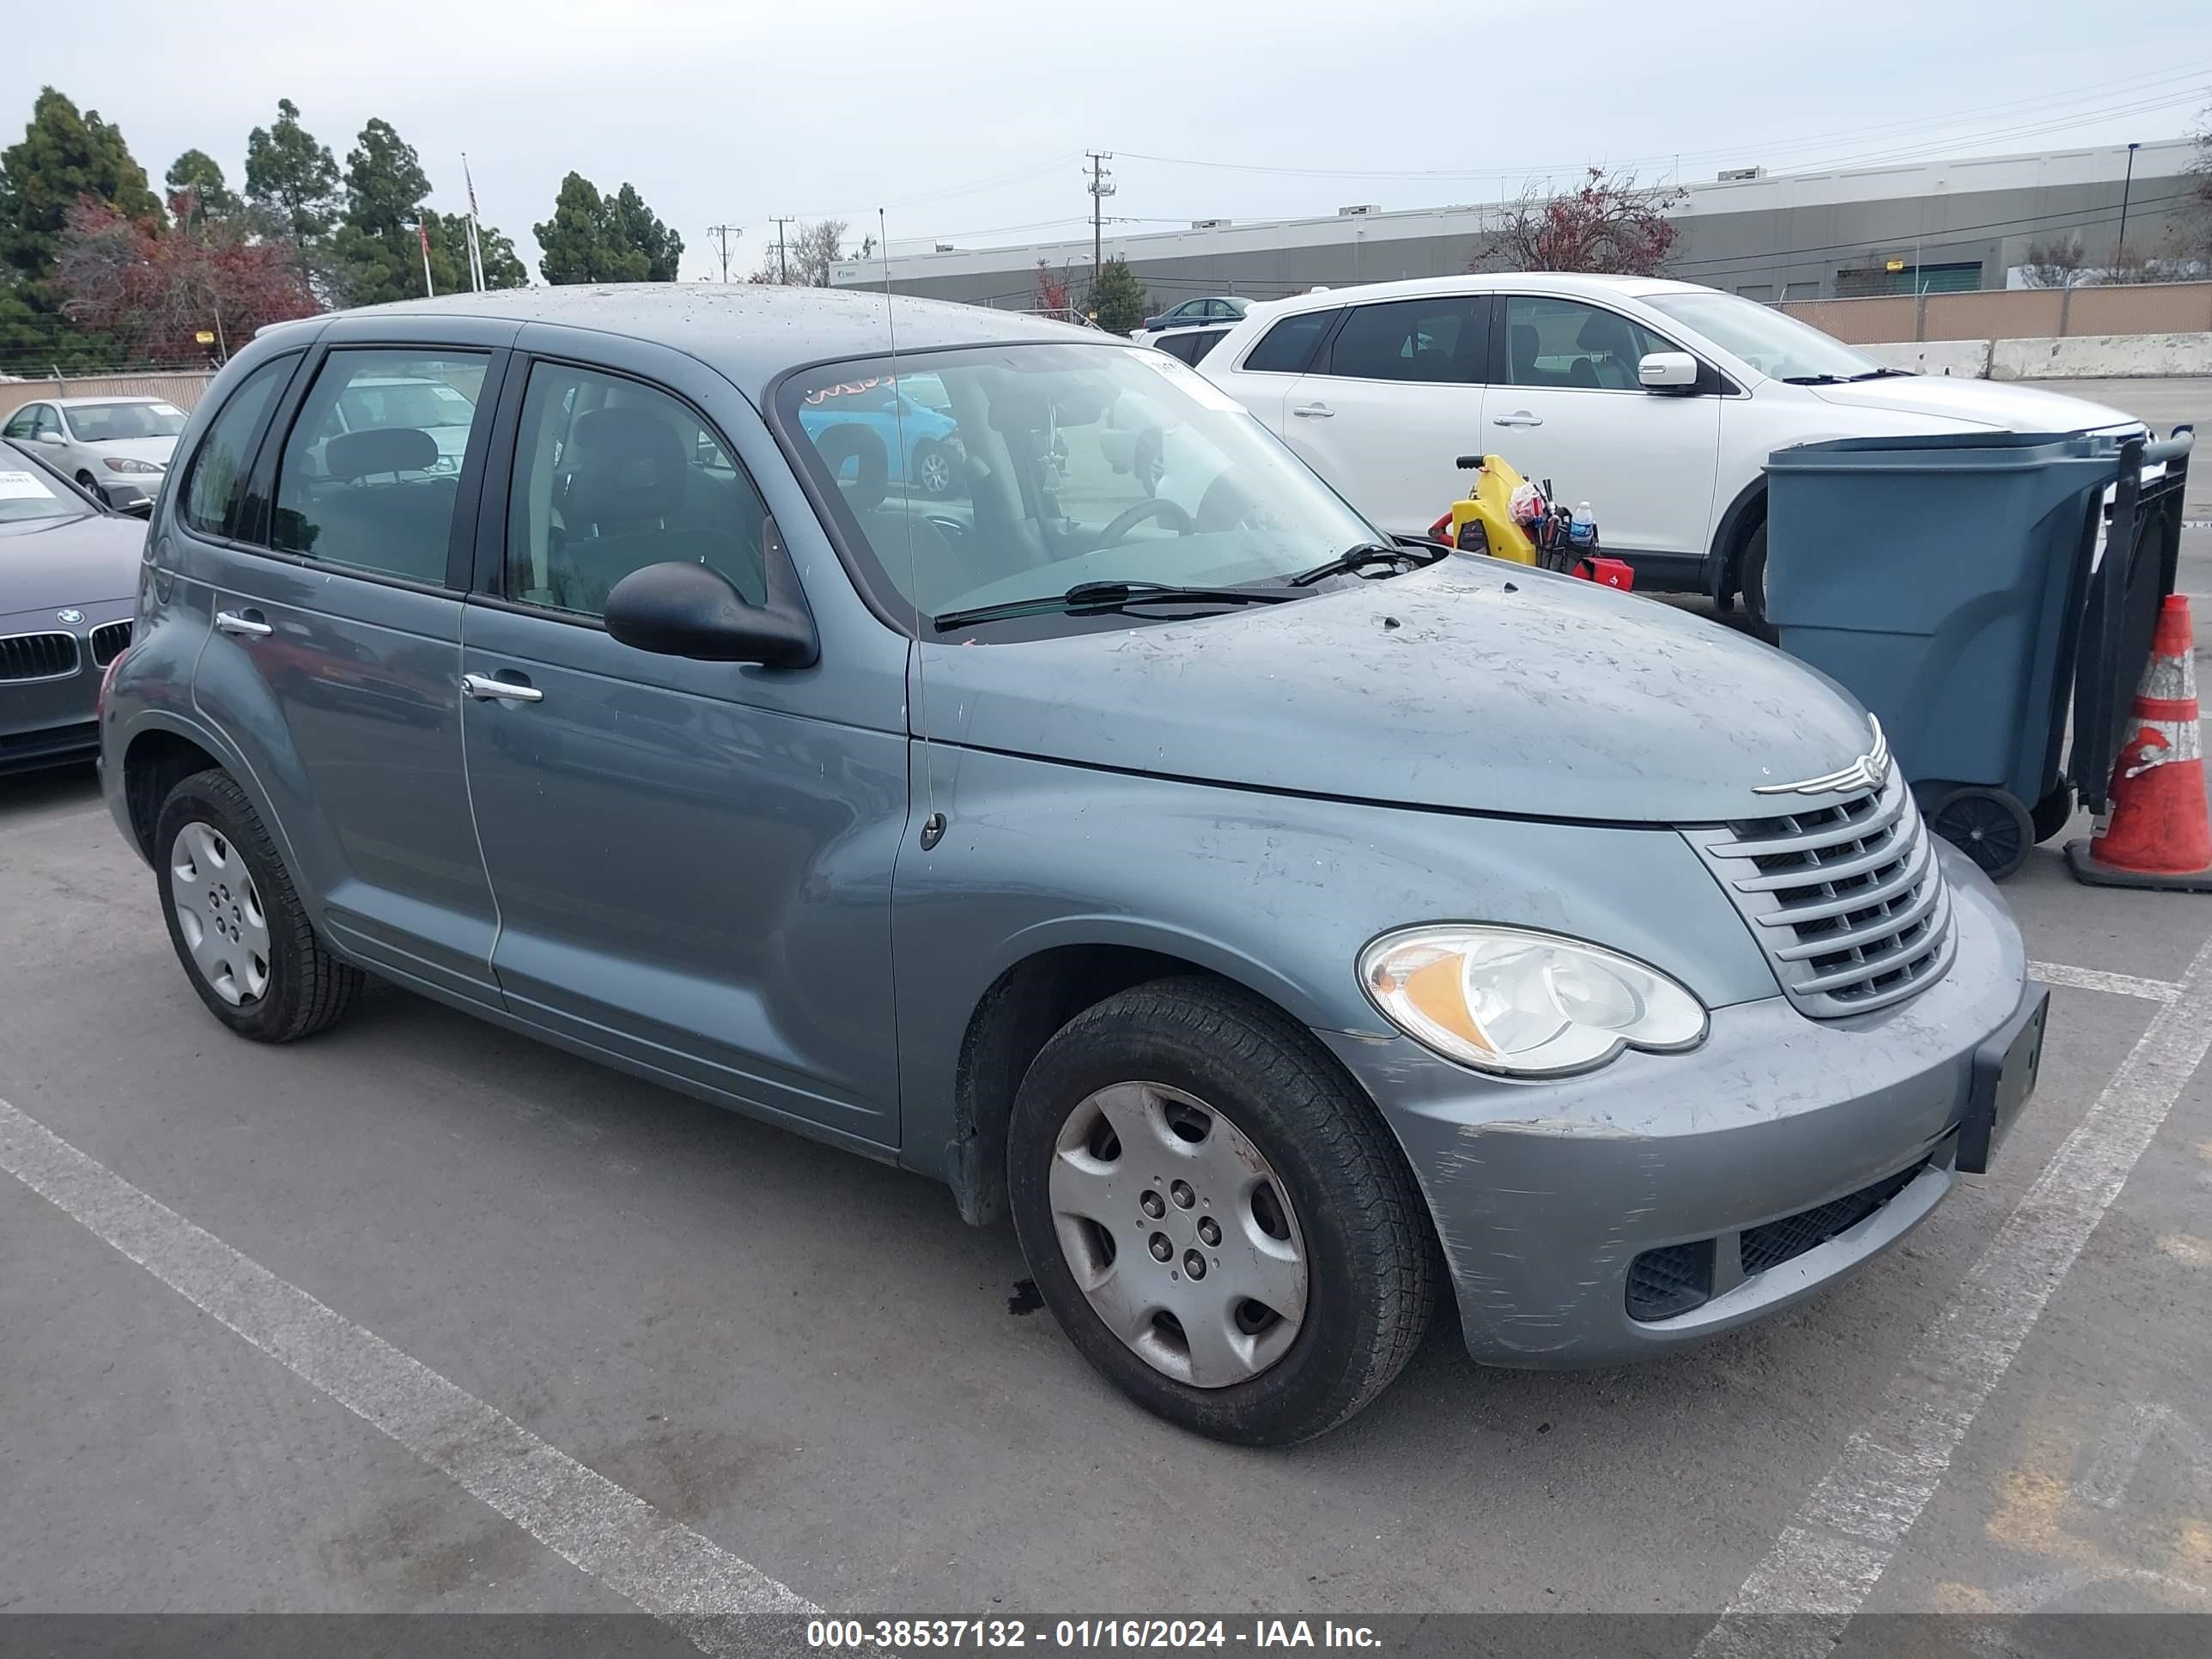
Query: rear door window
x: 215, y: 477
x: 1287, y: 347
x: 1438, y: 340
x: 611, y: 476
x: 374, y: 468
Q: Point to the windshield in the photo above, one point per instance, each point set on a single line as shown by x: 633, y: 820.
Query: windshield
x: 1772, y: 342
x: 405, y: 403
x: 1051, y: 465
x: 26, y: 494
x: 101, y: 423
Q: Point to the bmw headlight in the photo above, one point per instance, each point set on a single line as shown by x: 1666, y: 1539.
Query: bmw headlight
x: 1530, y: 1005
x: 125, y: 464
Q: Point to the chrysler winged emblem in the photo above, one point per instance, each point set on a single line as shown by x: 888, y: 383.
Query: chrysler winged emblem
x: 1869, y: 771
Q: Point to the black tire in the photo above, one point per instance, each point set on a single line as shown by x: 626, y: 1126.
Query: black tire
x: 1751, y: 578
x: 2050, y: 815
x: 1369, y: 1252
x: 88, y: 483
x: 307, y: 988
x: 1989, y: 826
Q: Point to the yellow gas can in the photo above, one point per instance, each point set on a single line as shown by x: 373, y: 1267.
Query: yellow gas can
x: 1486, y: 507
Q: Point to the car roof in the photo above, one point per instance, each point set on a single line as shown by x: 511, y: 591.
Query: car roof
x: 82, y: 403
x: 752, y: 333
x: 1568, y: 283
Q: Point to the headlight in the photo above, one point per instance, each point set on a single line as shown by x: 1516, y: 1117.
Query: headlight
x: 123, y: 464
x: 1532, y: 1005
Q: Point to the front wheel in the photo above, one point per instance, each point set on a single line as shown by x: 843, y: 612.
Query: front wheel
x: 933, y: 468
x: 236, y: 921
x: 1215, y: 1214
x: 1753, y: 579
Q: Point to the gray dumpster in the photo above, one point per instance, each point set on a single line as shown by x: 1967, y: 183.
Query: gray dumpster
x: 1963, y: 587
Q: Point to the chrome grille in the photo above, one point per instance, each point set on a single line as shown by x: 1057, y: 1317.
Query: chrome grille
x: 37, y: 656
x: 108, y: 640
x: 1847, y: 899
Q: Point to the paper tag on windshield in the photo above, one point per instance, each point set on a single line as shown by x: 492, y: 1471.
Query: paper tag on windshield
x: 23, y: 487
x: 1200, y: 389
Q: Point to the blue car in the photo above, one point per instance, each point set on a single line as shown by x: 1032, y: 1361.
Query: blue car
x: 857, y: 426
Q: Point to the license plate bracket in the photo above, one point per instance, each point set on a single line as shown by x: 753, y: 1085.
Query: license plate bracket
x: 2005, y: 1067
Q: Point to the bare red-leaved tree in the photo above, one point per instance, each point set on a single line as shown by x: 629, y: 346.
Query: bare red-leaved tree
x: 1053, y: 290
x: 157, y: 290
x: 1611, y: 224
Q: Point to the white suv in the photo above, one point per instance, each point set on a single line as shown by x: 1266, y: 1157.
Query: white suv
x: 1656, y: 402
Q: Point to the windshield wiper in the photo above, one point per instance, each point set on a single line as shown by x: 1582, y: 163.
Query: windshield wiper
x: 1881, y: 374
x: 1817, y: 380
x: 1111, y: 596
x: 1359, y: 556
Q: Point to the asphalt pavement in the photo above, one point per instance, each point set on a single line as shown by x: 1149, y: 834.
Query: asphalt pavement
x: 421, y: 1317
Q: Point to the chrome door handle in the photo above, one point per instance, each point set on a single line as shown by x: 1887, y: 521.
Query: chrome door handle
x: 1518, y: 417
x: 483, y: 686
x: 246, y: 624
x: 1316, y: 412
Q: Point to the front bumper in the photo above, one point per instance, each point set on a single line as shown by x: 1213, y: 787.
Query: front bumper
x: 50, y: 721
x: 1545, y: 1193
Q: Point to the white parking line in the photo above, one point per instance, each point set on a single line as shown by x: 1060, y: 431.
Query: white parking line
x: 1837, y: 1547
x: 2096, y: 979
x: 662, y: 1566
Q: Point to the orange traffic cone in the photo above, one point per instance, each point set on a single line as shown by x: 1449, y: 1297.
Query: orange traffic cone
x: 2159, y: 834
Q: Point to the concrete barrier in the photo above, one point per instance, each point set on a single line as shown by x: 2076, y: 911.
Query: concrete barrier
x: 2079, y: 356
x: 1969, y: 359
x: 2102, y: 356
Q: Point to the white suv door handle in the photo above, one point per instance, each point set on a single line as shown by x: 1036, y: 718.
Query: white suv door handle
x: 1518, y: 417
x: 1316, y: 412
x: 247, y: 624
x: 482, y: 686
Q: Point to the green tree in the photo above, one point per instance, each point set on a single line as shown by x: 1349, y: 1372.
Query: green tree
x: 377, y: 249
x: 593, y: 237
x: 1117, y: 301
x: 296, y: 180
x: 583, y: 243
x: 198, y: 190
x: 64, y: 157
x: 449, y: 248
x: 638, y: 226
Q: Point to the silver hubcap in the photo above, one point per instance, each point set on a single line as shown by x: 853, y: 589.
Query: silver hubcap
x: 1179, y: 1233
x: 936, y: 473
x: 219, y: 913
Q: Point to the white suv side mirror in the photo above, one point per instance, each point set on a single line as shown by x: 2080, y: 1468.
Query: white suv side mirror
x: 1667, y: 371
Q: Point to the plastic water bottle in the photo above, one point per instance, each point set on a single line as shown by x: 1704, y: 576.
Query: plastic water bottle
x: 1582, y: 529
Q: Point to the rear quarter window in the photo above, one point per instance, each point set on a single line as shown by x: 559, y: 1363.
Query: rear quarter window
x: 1287, y: 348
x: 215, y: 477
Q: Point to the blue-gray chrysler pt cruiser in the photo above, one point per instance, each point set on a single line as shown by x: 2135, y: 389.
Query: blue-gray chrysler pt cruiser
x: 1270, y: 915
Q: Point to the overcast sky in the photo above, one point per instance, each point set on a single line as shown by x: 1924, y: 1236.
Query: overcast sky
x: 966, y: 120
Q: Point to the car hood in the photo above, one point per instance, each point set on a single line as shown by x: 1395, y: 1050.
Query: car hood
x: 44, y: 565
x: 2001, y: 405
x: 1473, y: 685
x: 156, y: 450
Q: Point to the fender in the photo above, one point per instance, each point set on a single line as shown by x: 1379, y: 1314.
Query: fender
x: 1750, y: 504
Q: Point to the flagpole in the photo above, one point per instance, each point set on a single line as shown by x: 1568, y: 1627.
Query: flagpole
x: 475, y: 248
x: 422, y: 234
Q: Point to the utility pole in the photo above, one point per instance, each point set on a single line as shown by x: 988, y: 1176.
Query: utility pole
x: 782, y: 269
x: 722, y: 234
x: 1101, y: 187
x: 2120, y: 254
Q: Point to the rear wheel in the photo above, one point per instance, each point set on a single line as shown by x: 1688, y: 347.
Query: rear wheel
x: 236, y: 921
x: 1752, y: 578
x: 1989, y: 826
x: 1216, y: 1215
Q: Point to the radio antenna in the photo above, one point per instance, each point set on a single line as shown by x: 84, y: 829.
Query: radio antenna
x: 933, y: 827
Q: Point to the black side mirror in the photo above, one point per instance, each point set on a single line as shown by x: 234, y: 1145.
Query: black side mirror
x: 684, y: 610
x: 141, y: 509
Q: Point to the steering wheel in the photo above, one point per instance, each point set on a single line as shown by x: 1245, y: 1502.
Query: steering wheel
x: 1157, y: 507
